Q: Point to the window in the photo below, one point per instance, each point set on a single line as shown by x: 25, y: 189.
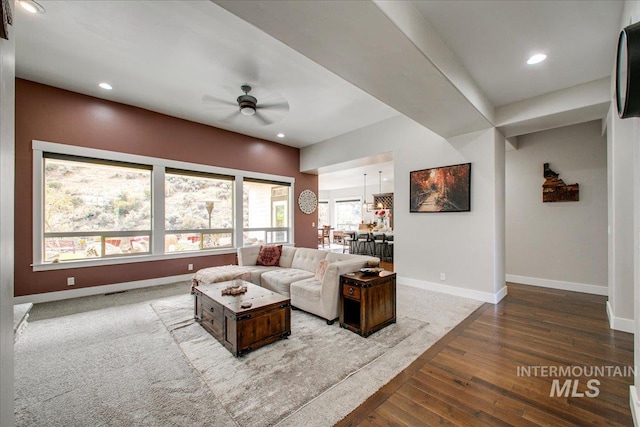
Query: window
x: 266, y: 212
x: 95, y: 208
x: 323, y: 214
x: 198, y: 211
x: 348, y: 214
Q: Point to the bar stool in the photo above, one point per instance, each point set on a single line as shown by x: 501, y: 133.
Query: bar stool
x: 379, y: 243
x: 389, y: 248
x: 349, y: 243
x: 364, y: 242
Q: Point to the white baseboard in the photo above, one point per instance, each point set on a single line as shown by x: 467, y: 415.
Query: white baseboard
x: 634, y: 404
x: 454, y: 290
x: 97, y: 290
x: 558, y: 284
x: 619, y: 323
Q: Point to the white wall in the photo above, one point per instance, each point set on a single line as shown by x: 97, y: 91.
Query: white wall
x: 467, y: 246
x: 7, y: 154
x: 620, y: 162
x: 626, y: 132
x: 562, y: 244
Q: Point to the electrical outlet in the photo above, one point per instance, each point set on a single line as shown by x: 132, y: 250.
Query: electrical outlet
x: 71, y: 281
x: 313, y: 224
x: 442, y: 276
x: 190, y: 267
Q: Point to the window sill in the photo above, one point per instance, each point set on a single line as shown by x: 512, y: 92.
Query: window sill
x: 132, y: 259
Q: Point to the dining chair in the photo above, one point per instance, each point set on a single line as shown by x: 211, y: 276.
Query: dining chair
x: 326, y: 235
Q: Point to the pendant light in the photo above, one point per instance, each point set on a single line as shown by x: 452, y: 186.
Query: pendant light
x: 364, y: 196
x: 380, y: 205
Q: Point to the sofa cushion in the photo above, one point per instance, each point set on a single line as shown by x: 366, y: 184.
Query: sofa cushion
x: 269, y: 255
x: 248, y: 255
x: 307, y: 289
x: 280, y: 280
x: 287, y: 256
x: 255, y: 271
x: 308, y: 259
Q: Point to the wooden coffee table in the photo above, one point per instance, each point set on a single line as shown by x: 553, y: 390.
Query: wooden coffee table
x: 239, y: 329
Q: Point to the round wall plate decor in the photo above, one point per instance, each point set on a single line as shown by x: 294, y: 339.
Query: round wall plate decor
x: 307, y: 201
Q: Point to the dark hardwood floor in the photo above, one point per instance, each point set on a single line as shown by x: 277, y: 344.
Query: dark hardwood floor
x: 470, y: 377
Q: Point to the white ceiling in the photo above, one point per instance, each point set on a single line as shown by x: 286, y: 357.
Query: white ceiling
x: 493, y: 40
x: 165, y: 55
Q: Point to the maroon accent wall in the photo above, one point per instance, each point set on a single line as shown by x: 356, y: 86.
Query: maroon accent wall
x: 49, y: 114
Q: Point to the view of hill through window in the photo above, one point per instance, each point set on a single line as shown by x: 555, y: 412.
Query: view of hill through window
x: 94, y: 208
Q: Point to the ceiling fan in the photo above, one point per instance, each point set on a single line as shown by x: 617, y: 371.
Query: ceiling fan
x: 266, y: 113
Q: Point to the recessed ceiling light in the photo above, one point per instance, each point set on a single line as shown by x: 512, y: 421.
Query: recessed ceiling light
x: 31, y: 6
x: 280, y: 135
x: 105, y: 86
x: 536, y: 58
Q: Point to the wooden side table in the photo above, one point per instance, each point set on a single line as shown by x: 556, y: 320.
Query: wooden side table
x: 367, y: 303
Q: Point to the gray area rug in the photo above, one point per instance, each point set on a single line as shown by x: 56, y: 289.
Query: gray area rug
x: 150, y: 364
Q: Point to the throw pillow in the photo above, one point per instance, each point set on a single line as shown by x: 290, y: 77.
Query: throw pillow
x: 269, y: 255
x: 321, y: 269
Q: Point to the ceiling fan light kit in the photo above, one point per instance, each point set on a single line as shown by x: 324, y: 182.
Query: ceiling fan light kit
x: 247, y: 110
x: 246, y: 102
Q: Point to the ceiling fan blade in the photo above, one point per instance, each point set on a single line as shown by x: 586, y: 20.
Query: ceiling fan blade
x: 281, y: 105
x: 208, y: 99
x: 229, y: 117
x: 262, y: 119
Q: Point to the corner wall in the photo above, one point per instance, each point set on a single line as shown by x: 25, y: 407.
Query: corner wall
x: 466, y: 246
x: 563, y: 244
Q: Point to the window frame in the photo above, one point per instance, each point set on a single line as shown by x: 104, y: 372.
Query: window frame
x: 271, y: 229
x: 203, y: 231
x: 158, y: 166
x: 105, y: 234
x: 337, y: 202
x: 328, y: 207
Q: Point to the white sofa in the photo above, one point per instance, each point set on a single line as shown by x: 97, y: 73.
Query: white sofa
x: 295, y: 276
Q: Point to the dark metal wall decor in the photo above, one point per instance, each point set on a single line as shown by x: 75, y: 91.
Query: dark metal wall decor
x: 555, y: 190
x: 6, y: 18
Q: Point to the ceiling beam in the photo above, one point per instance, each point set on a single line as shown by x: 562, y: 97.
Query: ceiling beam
x: 577, y: 104
x: 386, y: 49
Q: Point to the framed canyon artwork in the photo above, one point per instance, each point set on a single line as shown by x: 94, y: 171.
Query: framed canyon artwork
x: 441, y: 189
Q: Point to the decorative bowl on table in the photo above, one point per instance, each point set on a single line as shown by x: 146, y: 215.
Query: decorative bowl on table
x: 371, y: 271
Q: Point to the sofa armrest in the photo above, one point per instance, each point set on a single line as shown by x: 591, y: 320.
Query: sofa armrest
x: 330, y: 293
